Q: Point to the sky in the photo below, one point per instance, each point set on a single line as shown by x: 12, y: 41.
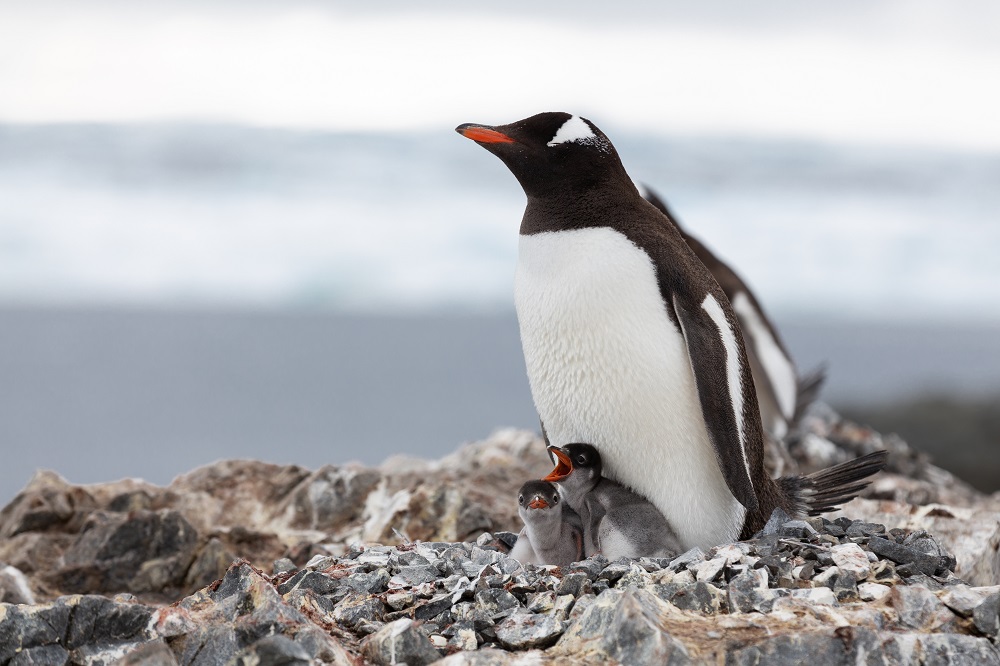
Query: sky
x: 912, y: 72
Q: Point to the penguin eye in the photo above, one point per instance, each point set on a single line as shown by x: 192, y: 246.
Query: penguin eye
x: 581, y: 459
x: 520, y: 499
x: 555, y: 499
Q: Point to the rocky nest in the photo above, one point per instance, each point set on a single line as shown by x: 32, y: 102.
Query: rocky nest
x: 347, y: 565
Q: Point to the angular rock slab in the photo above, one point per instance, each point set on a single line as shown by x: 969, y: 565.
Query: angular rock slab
x: 41, y: 633
x: 624, y: 627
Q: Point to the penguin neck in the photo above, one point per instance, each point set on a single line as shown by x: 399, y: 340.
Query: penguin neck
x: 575, y: 491
x: 543, y: 527
x: 600, y: 205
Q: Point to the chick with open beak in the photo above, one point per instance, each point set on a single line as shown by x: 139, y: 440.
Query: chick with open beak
x: 616, y: 521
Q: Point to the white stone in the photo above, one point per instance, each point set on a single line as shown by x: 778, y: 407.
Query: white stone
x: 816, y: 595
x: 851, y: 557
x: 873, y: 591
x: 707, y: 571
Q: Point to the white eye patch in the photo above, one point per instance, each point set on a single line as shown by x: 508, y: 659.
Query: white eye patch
x: 574, y: 129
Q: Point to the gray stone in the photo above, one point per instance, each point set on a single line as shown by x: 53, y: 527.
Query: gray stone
x: 432, y: 607
x: 145, y: 551
x: 400, y: 642
x: 986, y: 616
x: 700, y: 597
x: 799, y: 529
x: 943, y: 649
x: 916, y: 606
x: 636, y: 634
x: 359, y: 607
x: 328, y: 498
x: 815, y: 649
x: 746, y: 592
x: 496, y: 602
x: 574, y: 583
x: 636, y: 576
x: 14, y: 586
x: 154, y: 653
x: 44, y: 655
x: 524, y: 631
x: 774, y: 523
x: 917, y: 561
x: 276, y: 650
x: 686, y: 559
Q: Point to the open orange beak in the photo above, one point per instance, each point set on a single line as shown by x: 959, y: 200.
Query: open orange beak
x: 538, y: 503
x: 482, y: 134
x: 564, y: 466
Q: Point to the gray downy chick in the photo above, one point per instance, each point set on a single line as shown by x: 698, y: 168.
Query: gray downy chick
x: 616, y: 521
x: 553, y: 533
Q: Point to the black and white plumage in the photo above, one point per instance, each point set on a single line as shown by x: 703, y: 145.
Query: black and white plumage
x: 552, y: 533
x: 616, y: 521
x: 782, y: 394
x: 629, y: 342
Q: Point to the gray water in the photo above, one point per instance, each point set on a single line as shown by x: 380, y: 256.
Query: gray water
x: 103, y: 394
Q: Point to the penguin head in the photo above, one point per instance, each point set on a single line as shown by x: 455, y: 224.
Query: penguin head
x: 537, y: 496
x: 550, y: 152
x: 576, y: 464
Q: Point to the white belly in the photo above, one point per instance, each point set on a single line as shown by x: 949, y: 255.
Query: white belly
x: 608, y: 367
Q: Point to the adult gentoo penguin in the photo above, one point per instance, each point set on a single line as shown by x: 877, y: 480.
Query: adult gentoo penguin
x: 631, y: 345
x: 782, y: 394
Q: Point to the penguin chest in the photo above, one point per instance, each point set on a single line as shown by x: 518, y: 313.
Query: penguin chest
x: 608, y: 366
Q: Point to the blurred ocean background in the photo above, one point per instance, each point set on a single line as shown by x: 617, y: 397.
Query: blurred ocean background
x: 249, y: 229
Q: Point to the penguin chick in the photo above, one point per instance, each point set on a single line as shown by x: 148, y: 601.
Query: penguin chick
x: 616, y: 521
x: 553, y: 533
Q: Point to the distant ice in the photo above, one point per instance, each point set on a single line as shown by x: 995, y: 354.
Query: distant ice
x: 378, y: 222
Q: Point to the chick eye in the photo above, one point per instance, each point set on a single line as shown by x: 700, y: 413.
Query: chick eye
x: 555, y: 499
x: 581, y: 460
x: 520, y: 499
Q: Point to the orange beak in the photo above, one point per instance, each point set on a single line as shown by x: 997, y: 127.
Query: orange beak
x: 482, y: 134
x: 538, y: 503
x: 564, y: 466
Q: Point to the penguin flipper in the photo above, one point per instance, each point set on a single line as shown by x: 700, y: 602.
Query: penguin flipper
x: 720, y: 369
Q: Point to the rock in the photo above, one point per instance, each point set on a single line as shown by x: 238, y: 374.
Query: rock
x: 14, y: 586
x: 154, y: 653
x: 962, y: 599
x: 986, y: 616
x: 851, y: 557
x: 141, y: 552
x: 400, y: 642
x: 699, y: 597
x: 329, y: 497
x: 873, y: 591
x: 68, y: 624
x: 916, y: 606
x: 47, y: 501
x: 917, y: 561
x: 637, y: 636
x: 774, y: 523
x: 972, y: 534
x: 524, y: 631
x: 798, y: 529
x: 816, y: 649
x: 210, y: 564
x: 575, y: 584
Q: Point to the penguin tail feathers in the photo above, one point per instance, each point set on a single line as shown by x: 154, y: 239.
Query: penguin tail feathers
x: 809, y: 386
x: 828, y: 488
